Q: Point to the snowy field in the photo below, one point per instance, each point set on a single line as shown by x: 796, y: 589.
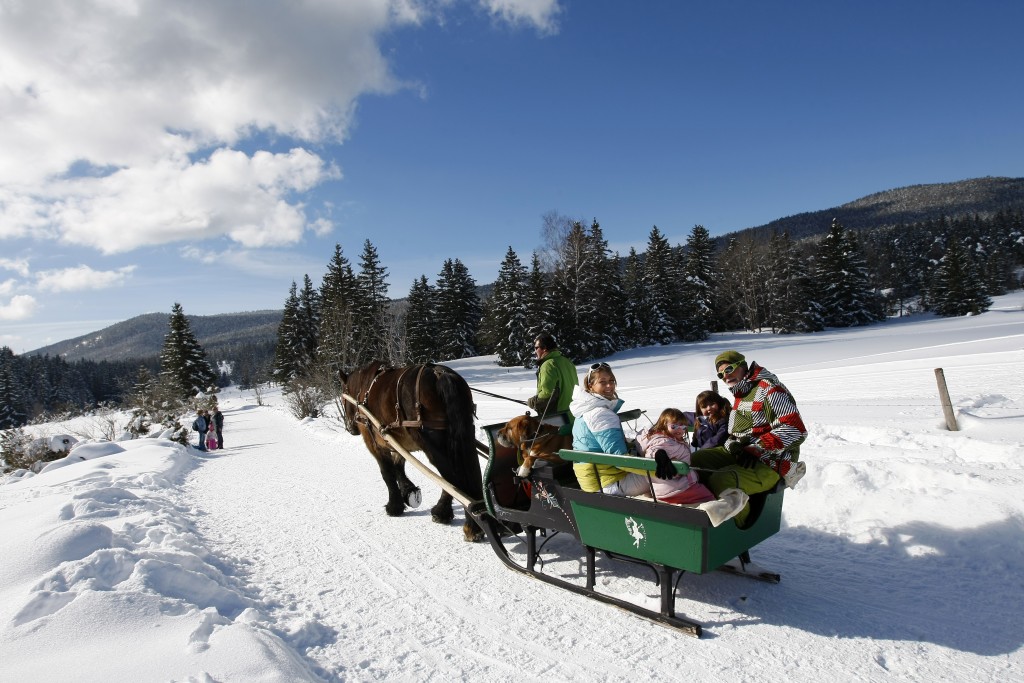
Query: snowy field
x: 901, y: 553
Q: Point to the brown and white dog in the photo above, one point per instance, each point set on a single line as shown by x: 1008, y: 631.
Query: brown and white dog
x: 534, y: 440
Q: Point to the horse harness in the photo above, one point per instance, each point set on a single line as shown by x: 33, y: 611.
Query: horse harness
x: 399, y: 422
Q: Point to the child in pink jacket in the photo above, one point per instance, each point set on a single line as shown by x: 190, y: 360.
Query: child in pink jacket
x: 669, y: 434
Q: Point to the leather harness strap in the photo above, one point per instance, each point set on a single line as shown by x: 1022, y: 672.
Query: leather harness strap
x: 399, y: 421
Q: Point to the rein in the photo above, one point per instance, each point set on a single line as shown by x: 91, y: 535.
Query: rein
x: 487, y: 393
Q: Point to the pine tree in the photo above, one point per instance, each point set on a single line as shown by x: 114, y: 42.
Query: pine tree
x: 458, y: 311
x: 288, y: 351
x: 660, y: 286
x: 308, y: 323
x: 637, y: 321
x: 506, y: 320
x: 794, y: 307
x: 957, y: 288
x: 538, y: 304
x: 183, y: 364
x: 846, y: 296
x: 371, y: 307
x: 607, y: 328
x: 576, y: 289
x: 741, y: 294
x: 12, y: 399
x: 421, y: 335
x: 335, y: 347
x: 695, y: 319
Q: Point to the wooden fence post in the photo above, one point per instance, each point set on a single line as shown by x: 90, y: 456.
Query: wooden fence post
x: 947, y: 406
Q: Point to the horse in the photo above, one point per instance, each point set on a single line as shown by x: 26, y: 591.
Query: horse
x: 534, y: 439
x: 426, y: 408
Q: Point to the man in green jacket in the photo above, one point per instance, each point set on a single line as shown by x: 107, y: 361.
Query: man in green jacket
x: 556, y: 377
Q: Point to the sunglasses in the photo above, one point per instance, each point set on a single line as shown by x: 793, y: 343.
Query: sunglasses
x: 729, y: 369
x: 594, y: 368
x: 676, y: 427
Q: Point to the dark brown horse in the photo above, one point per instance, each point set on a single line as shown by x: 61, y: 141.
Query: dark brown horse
x: 425, y: 408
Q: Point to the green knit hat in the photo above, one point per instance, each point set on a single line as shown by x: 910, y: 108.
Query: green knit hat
x: 729, y: 357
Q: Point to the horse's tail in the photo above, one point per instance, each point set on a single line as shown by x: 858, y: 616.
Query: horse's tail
x: 460, y: 413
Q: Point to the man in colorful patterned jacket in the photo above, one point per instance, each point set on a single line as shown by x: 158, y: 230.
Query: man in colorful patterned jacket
x: 765, y: 432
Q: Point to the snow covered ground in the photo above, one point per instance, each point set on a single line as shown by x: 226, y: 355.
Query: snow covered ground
x: 902, y: 552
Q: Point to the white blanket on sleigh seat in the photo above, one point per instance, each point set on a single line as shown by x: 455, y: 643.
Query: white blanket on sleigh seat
x: 726, y: 506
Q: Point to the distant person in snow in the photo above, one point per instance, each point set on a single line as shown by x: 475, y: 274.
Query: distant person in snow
x: 201, y: 425
x: 218, y: 425
x: 765, y: 433
x: 556, y: 378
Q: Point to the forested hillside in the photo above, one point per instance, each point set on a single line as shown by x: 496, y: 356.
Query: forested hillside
x: 142, y: 336
x: 982, y: 197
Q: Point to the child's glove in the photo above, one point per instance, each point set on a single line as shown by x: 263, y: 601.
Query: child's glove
x: 665, y: 469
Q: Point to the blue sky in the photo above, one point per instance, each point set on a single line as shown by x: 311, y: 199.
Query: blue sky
x: 192, y: 152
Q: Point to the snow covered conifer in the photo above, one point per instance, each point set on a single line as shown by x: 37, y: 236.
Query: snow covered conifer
x: 337, y: 325
x: 421, y: 323
x: 371, y: 307
x: 458, y: 311
x: 845, y: 291
x: 12, y: 399
x: 793, y: 306
x: 506, y: 320
x: 538, y: 303
x: 660, y: 289
x: 696, y: 306
x: 636, y: 321
x: 957, y: 286
x: 288, y: 352
x: 183, y: 364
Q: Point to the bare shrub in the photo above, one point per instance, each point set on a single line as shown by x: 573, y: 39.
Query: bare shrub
x: 305, y: 399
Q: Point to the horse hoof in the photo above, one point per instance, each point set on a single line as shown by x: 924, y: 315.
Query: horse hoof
x: 473, y: 535
x: 414, y: 498
x: 393, y: 512
x: 441, y: 519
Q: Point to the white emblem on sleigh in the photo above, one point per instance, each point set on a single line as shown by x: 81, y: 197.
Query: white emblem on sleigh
x: 636, y: 530
x: 541, y: 493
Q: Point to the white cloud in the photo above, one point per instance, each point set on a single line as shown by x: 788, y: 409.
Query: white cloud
x: 19, y: 308
x: 7, y: 287
x: 230, y: 193
x: 81, y: 277
x: 19, y: 266
x: 543, y: 14
x: 137, y: 93
x: 118, y: 117
x: 264, y: 263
